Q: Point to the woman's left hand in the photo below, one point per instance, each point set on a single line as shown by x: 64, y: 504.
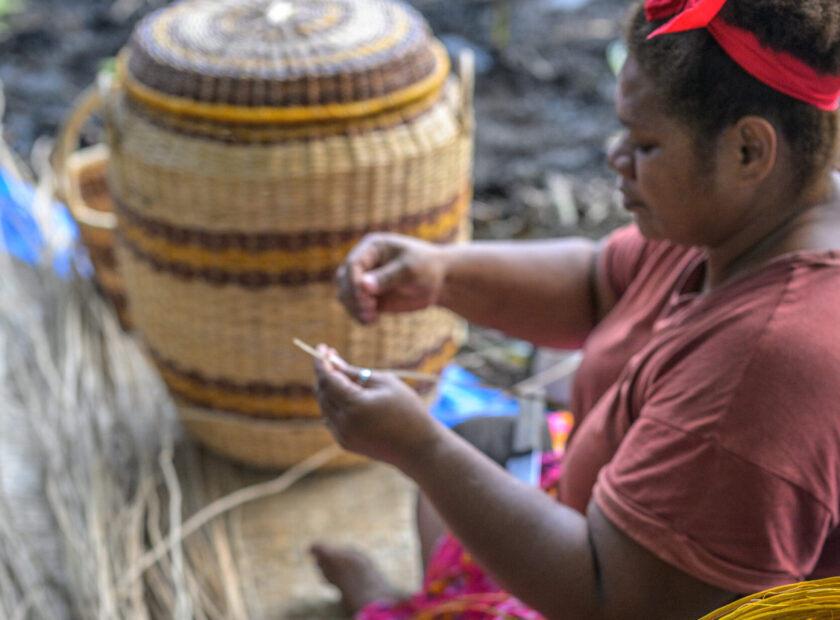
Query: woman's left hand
x: 376, y: 415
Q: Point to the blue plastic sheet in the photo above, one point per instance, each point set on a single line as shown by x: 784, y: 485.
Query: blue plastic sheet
x: 23, y: 238
x: 461, y: 398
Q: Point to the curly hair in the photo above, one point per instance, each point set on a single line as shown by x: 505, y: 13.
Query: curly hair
x: 702, y: 86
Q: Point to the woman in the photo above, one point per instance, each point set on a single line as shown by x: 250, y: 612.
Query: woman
x: 706, y: 458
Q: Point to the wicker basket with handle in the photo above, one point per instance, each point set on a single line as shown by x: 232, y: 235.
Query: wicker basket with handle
x: 81, y: 183
x: 252, y: 145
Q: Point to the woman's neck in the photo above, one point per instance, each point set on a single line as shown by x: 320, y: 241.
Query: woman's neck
x: 810, y: 221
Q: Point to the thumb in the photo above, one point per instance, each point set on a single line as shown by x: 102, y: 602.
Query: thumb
x: 385, y: 278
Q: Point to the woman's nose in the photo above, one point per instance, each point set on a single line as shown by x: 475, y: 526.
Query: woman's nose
x: 620, y: 157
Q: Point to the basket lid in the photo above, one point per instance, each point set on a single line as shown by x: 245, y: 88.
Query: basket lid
x: 270, y: 61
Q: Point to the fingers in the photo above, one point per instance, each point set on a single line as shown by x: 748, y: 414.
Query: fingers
x: 388, y: 276
x: 335, y: 376
x: 360, y: 304
x: 366, y: 274
x: 339, y: 386
x: 352, y: 292
x: 337, y: 391
x: 357, y: 374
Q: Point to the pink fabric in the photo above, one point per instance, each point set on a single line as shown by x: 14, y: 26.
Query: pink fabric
x: 454, y: 586
x: 717, y: 447
x: 779, y: 70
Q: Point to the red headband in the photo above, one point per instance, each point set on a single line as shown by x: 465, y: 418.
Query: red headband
x: 779, y: 70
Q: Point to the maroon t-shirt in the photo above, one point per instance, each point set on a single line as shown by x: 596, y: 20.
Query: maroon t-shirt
x: 709, y: 424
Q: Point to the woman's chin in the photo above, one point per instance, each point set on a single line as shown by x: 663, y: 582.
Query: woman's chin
x: 647, y: 226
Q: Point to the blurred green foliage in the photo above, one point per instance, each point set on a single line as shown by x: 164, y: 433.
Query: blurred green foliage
x: 107, y: 66
x: 11, y: 7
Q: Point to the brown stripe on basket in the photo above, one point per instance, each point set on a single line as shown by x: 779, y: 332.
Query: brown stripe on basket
x: 237, y: 133
x: 265, y: 242
x: 149, y: 62
x: 251, y: 279
x: 265, y: 400
x: 311, y: 90
x: 102, y: 256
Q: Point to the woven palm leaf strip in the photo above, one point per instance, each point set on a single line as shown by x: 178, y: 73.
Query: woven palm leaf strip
x: 192, y: 60
x: 260, y: 260
x: 266, y: 400
x: 808, y: 600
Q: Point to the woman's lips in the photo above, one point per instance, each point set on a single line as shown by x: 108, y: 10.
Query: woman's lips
x: 629, y: 203
x: 629, y: 200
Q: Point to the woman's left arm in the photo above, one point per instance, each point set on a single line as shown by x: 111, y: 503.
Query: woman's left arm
x: 562, y: 563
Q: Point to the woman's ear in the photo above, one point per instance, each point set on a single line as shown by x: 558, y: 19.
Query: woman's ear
x: 753, y: 145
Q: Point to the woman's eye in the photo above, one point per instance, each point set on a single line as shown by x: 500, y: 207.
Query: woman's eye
x: 643, y: 148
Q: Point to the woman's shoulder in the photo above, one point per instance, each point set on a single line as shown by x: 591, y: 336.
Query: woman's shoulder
x: 628, y: 258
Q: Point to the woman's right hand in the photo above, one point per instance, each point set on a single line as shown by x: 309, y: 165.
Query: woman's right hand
x: 378, y: 416
x: 387, y: 272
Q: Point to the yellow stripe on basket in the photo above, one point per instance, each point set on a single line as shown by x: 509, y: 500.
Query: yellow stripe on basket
x: 271, y: 134
x: 312, y: 259
x: 296, y: 114
x: 275, y: 406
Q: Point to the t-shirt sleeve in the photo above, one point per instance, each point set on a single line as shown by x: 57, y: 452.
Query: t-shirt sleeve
x: 708, y: 512
x: 623, y: 252
x: 726, y: 487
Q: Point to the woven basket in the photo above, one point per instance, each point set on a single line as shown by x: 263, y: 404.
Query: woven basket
x: 253, y: 143
x: 807, y: 600
x: 81, y: 184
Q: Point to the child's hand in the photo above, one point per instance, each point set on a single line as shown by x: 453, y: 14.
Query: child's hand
x: 376, y: 415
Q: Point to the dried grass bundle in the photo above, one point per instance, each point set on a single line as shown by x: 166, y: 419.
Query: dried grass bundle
x: 83, y: 419
x: 91, y: 492
x: 90, y: 499
x: 810, y: 600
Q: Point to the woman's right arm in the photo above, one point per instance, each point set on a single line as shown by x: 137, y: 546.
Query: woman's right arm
x: 548, y: 292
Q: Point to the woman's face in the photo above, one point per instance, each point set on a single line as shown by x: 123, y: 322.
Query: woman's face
x: 672, y: 194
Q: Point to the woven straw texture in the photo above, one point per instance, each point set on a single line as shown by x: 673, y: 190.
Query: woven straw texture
x: 89, y: 193
x: 252, y: 145
x: 283, y: 60
x: 80, y: 180
x: 808, y: 600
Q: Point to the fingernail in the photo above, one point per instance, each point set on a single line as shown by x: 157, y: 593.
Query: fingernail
x: 370, y: 283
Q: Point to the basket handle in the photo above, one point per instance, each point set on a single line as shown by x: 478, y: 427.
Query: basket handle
x: 88, y: 103
x: 465, y: 67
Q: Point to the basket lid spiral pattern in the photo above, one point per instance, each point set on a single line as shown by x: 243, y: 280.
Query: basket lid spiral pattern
x: 298, y: 61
